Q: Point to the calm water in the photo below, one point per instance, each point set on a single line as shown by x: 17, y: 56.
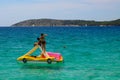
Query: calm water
x: 90, y: 53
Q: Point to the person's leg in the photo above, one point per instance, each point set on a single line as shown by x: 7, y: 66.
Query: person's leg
x: 44, y: 50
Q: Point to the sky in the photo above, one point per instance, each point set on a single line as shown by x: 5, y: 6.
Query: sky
x: 13, y: 11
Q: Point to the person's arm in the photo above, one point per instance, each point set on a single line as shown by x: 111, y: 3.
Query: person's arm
x: 45, y: 34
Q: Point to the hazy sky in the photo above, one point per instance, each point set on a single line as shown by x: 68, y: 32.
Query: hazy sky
x: 12, y: 11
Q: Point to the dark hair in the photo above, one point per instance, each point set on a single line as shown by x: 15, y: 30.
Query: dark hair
x: 38, y: 39
x: 42, y: 34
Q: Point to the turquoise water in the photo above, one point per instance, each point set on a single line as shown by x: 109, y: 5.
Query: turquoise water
x: 90, y: 53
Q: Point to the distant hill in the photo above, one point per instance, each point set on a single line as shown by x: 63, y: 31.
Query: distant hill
x: 54, y: 22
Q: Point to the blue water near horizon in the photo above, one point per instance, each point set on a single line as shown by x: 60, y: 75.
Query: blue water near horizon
x: 90, y: 53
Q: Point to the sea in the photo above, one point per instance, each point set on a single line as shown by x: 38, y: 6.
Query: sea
x: 90, y: 53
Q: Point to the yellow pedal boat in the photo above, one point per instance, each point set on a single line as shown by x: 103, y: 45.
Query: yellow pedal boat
x: 49, y: 57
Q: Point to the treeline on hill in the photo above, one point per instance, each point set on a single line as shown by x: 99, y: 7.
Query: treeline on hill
x: 92, y: 23
x: 53, y: 22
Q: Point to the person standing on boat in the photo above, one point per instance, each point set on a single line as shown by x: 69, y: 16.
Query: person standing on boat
x: 42, y: 42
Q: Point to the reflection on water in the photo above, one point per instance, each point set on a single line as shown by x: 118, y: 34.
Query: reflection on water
x: 41, y: 65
